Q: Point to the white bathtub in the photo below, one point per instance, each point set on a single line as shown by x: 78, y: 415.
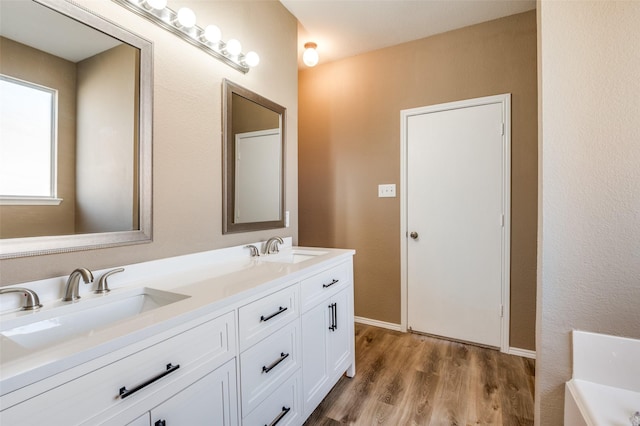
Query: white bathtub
x: 605, y: 388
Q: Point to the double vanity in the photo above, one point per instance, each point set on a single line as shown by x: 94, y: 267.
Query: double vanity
x: 222, y: 335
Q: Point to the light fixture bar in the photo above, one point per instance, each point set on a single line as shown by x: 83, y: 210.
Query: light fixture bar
x: 167, y: 19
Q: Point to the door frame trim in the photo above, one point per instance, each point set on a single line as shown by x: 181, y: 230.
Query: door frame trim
x: 505, y: 101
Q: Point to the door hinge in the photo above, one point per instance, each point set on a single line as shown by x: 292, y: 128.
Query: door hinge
x: 502, y: 129
x: 501, y: 311
x: 502, y: 220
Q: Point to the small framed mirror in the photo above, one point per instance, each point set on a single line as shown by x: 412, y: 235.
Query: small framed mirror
x: 253, y: 161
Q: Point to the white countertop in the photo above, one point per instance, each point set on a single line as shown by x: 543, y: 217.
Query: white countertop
x: 213, y: 281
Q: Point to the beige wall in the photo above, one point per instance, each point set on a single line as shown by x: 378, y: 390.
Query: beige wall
x: 107, y: 141
x: 26, y: 63
x: 589, y: 239
x: 187, y: 139
x: 350, y: 143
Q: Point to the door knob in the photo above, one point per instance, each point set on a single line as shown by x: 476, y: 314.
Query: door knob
x: 414, y: 235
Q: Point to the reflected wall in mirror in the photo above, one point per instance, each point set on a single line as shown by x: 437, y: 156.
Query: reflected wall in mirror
x: 253, y: 153
x: 77, y: 175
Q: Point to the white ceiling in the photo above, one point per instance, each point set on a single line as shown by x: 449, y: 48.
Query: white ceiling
x: 344, y: 28
x: 44, y: 29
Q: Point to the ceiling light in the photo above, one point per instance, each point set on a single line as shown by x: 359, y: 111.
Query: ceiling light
x: 310, y: 56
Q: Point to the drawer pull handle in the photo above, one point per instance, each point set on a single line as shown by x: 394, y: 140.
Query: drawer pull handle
x: 124, y: 392
x: 160, y: 423
x: 283, y: 413
x: 268, y: 317
x: 266, y: 369
x: 334, y: 281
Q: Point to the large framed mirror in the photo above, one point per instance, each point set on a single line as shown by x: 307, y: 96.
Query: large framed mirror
x: 76, y: 124
x: 253, y: 161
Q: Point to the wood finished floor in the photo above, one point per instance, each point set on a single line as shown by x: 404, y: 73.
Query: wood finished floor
x: 407, y: 379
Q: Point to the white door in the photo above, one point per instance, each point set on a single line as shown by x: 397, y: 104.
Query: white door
x: 457, y: 185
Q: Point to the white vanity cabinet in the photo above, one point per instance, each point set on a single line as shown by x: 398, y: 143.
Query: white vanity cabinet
x: 327, y: 333
x: 262, y: 346
x: 118, y: 388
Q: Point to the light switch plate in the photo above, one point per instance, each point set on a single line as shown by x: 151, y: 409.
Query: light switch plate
x: 387, y: 190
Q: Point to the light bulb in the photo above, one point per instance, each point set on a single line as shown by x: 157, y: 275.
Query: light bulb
x: 310, y: 56
x: 252, y: 59
x: 233, y: 47
x: 157, y: 4
x: 186, y: 17
x: 212, y: 34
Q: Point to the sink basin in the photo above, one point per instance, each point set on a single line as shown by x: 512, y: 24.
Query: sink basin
x: 293, y: 256
x: 49, y: 327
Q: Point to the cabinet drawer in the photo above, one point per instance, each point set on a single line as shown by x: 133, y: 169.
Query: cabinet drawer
x: 262, y: 317
x: 266, y: 365
x: 281, y: 407
x: 320, y: 286
x: 102, y: 389
x: 205, y: 402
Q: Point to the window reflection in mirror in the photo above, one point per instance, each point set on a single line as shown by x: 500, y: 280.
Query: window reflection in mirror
x: 254, y: 161
x: 28, y: 144
x: 101, y: 81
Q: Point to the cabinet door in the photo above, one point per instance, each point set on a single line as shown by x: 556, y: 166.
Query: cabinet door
x: 315, y: 331
x: 209, y: 401
x: 338, y: 347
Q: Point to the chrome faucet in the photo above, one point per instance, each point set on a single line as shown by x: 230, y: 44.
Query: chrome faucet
x: 32, y: 301
x: 71, y: 291
x: 271, y: 246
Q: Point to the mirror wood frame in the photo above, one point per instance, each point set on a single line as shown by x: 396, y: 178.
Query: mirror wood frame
x: 228, y: 159
x: 35, y: 246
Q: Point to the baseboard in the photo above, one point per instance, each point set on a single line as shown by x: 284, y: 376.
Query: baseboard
x: 376, y: 323
x: 526, y: 353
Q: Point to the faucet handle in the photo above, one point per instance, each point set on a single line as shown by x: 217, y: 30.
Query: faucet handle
x: 31, y: 302
x: 254, y: 252
x: 103, y: 286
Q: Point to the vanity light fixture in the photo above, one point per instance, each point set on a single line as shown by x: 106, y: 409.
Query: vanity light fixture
x: 212, y: 34
x: 252, y: 59
x: 155, y: 4
x: 183, y: 24
x: 310, y: 56
x: 233, y: 47
x: 186, y: 18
